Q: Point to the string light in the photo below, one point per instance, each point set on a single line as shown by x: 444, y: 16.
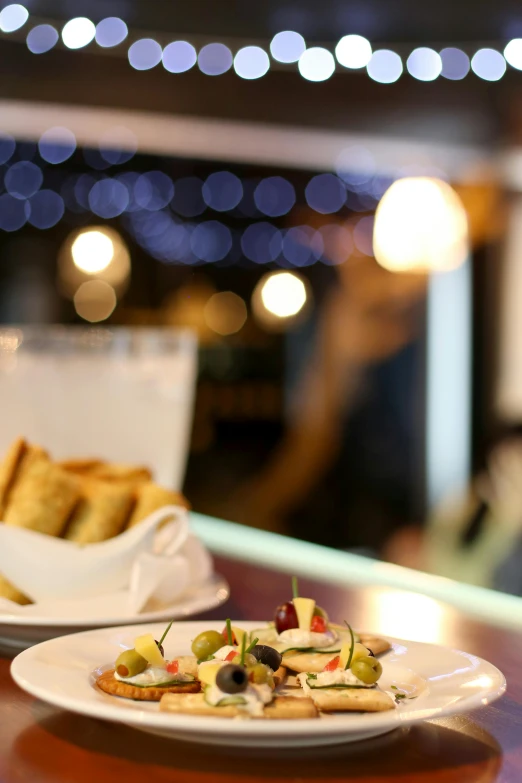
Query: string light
x: 385, y: 66
x: 513, y: 53
x: 251, y: 62
x: 424, y: 64
x: 353, y: 51
x: 111, y: 32
x: 179, y: 56
x: 78, y: 32
x: 42, y: 38
x: 488, y: 64
x: 13, y: 17
x: 287, y: 46
x: 316, y: 64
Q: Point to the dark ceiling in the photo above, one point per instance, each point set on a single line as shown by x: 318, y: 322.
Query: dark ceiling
x: 407, y: 21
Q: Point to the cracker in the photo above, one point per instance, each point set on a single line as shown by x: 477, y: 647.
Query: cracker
x: 8, y: 469
x: 315, y: 662
x: 351, y: 700
x: 109, y: 684
x: 282, y: 707
x: 150, y: 498
x: 101, y: 513
x: 43, y: 496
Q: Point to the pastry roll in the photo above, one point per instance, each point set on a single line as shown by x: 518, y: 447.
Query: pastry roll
x: 8, y: 470
x: 150, y: 498
x: 101, y: 513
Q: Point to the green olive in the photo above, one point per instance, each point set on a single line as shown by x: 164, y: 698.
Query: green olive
x: 259, y: 673
x: 250, y: 660
x: 129, y: 663
x: 207, y: 643
x: 367, y: 669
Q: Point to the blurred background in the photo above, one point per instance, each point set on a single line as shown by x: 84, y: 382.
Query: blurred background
x: 329, y: 195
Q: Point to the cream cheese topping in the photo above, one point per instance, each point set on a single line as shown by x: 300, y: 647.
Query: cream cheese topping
x: 222, y: 653
x: 297, y: 637
x: 153, y: 675
x: 335, y: 677
x: 255, y: 697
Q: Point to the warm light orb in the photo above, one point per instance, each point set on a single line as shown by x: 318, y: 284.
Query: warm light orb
x: 92, y: 251
x: 283, y: 294
x: 225, y: 313
x: 420, y: 226
x: 95, y: 300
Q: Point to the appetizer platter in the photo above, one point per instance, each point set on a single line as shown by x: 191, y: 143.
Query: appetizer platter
x: 296, y: 680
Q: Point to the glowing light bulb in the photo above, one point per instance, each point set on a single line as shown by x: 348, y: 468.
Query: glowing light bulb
x: 283, y: 294
x: 420, y: 225
x: 92, y: 251
x: 353, y: 51
x: 78, y: 32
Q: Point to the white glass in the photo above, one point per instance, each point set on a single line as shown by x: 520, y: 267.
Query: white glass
x: 120, y: 394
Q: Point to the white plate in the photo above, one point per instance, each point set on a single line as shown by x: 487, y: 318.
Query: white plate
x: 22, y: 631
x: 62, y: 672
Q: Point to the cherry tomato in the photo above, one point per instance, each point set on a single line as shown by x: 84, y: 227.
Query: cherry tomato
x: 334, y: 663
x: 318, y: 624
x: 285, y: 617
x: 232, y: 654
x: 173, y: 667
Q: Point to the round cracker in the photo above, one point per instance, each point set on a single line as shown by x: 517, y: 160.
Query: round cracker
x: 109, y: 684
x: 315, y: 662
x: 351, y: 700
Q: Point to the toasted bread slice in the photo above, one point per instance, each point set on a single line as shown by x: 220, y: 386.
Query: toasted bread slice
x: 101, y: 513
x: 8, y: 470
x: 351, y: 700
x: 281, y: 708
x: 109, y: 684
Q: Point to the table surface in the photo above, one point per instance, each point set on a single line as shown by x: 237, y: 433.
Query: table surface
x: 43, y: 744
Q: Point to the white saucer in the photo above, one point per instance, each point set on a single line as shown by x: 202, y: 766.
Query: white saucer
x: 21, y: 631
x: 62, y: 672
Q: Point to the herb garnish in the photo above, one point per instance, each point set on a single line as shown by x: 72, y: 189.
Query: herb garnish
x: 352, y: 646
x: 230, y: 635
x: 295, y: 591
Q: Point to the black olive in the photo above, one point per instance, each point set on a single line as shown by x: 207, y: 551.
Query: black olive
x: 232, y: 678
x: 267, y: 655
x: 370, y: 653
x: 160, y: 648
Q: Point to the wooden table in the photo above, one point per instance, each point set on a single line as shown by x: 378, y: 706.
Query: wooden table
x: 42, y: 744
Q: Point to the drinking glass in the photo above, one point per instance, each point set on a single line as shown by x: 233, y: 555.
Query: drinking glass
x: 120, y: 394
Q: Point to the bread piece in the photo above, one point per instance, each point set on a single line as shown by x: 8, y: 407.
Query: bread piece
x: 8, y: 470
x: 101, y: 513
x: 43, y: 495
x: 351, y: 700
x: 151, y: 497
x: 9, y: 591
x: 109, y: 684
x: 281, y: 708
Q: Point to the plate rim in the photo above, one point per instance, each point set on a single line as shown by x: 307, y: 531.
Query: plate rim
x: 34, y: 621
x: 179, y: 725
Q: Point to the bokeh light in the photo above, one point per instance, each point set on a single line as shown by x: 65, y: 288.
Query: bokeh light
x: 92, y: 251
x: 316, y: 64
x: 488, y: 64
x: 353, y: 51
x: 188, y: 197
x: 385, y: 66
x: 251, y: 62
x: 57, y: 144
x: 302, y: 246
x: 211, y: 241
x: 13, y: 214
x: 325, y: 193
x: 7, y: 148
x: 274, y: 196
x: 261, y: 242
x: 179, y: 56
x: 108, y: 198
x: 78, y: 32
x: 95, y: 301
x: 23, y: 179
x: 337, y: 242
x: 153, y: 190
x: 215, y: 59
x: 82, y: 188
x: 513, y: 53
x: 420, y: 225
x: 455, y: 63
x: 283, y: 294
x: 355, y: 165
x: 111, y: 32
x: 363, y: 235
x: 42, y: 38
x: 145, y: 54
x: 13, y: 17
x: 225, y: 313
x: 222, y: 191
x: 46, y: 209
x: 118, y: 145
x: 287, y: 46
x: 424, y: 64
